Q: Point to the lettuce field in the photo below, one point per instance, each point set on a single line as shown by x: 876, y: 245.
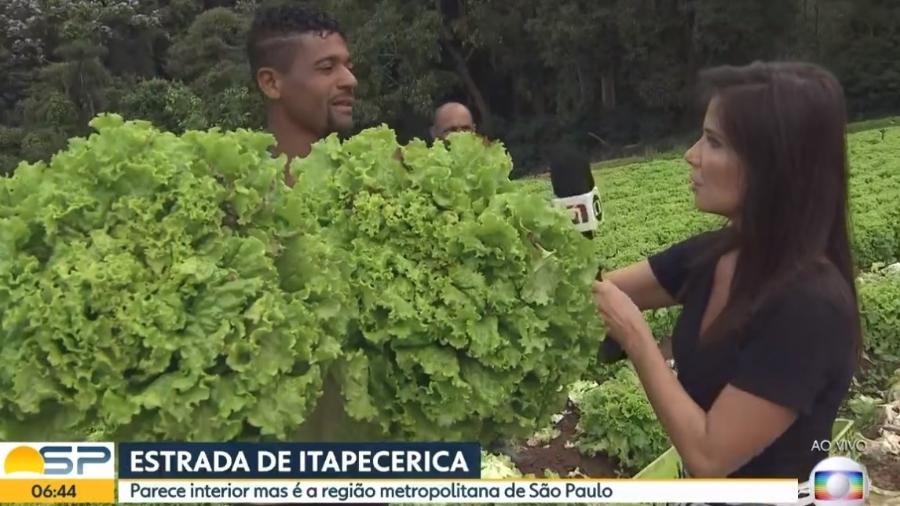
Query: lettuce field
x: 155, y: 286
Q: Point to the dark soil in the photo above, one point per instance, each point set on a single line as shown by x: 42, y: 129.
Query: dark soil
x: 557, y: 458
x: 884, y: 472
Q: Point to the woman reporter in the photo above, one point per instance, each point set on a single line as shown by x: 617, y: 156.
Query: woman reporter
x: 769, y: 334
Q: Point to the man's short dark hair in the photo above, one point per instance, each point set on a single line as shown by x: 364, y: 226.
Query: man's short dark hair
x: 269, y: 41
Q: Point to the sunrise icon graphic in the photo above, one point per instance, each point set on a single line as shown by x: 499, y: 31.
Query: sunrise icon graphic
x: 23, y: 459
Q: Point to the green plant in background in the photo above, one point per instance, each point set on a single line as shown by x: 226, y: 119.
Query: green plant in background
x: 498, y: 467
x: 169, y: 105
x: 662, y: 321
x: 879, y: 294
x: 865, y: 411
x: 617, y: 419
x: 893, y: 392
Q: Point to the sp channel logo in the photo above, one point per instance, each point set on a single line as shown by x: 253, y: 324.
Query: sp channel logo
x: 57, y: 460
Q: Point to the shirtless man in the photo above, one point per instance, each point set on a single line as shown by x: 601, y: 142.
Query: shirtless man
x: 301, y: 63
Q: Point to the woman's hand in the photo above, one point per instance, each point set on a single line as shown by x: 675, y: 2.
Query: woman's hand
x: 623, y: 319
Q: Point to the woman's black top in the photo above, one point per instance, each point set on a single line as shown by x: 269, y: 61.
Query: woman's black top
x: 797, y: 351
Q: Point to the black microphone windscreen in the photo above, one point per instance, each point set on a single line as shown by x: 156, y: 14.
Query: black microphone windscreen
x: 570, y: 175
x: 570, y: 172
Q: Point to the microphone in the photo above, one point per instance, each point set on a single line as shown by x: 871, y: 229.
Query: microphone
x: 573, y: 185
x: 575, y: 190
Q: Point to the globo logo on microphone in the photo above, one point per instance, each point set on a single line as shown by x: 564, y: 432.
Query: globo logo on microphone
x: 598, y: 212
x: 585, y: 210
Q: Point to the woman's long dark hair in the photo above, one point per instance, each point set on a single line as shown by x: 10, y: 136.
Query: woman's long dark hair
x: 787, y: 123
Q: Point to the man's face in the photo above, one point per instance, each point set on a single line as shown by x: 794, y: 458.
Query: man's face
x: 317, y: 90
x: 453, y: 119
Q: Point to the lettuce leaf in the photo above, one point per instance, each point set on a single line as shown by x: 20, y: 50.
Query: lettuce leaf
x: 472, y: 291
x: 150, y: 281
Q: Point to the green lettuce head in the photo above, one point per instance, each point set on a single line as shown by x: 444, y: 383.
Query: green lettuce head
x: 472, y: 291
x: 159, y: 286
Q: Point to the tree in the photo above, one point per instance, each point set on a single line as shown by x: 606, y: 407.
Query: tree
x: 609, y: 76
x: 864, y: 55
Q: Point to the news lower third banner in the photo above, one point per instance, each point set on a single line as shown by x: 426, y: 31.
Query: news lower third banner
x: 321, y: 473
x: 459, y: 491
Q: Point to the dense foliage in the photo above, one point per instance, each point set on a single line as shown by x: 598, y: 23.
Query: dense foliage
x: 616, y: 419
x: 875, y: 196
x: 148, y: 280
x: 611, y: 75
x: 879, y: 294
x: 472, y: 296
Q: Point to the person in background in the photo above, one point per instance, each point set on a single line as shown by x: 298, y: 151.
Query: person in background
x: 451, y: 117
x: 300, y: 61
x: 769, y: 334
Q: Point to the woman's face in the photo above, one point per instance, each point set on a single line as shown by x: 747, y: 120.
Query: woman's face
x: 716, y: 170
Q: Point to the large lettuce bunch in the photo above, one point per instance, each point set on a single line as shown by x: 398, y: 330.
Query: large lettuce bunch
x: 156, y: 286
x: 472, y: 292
